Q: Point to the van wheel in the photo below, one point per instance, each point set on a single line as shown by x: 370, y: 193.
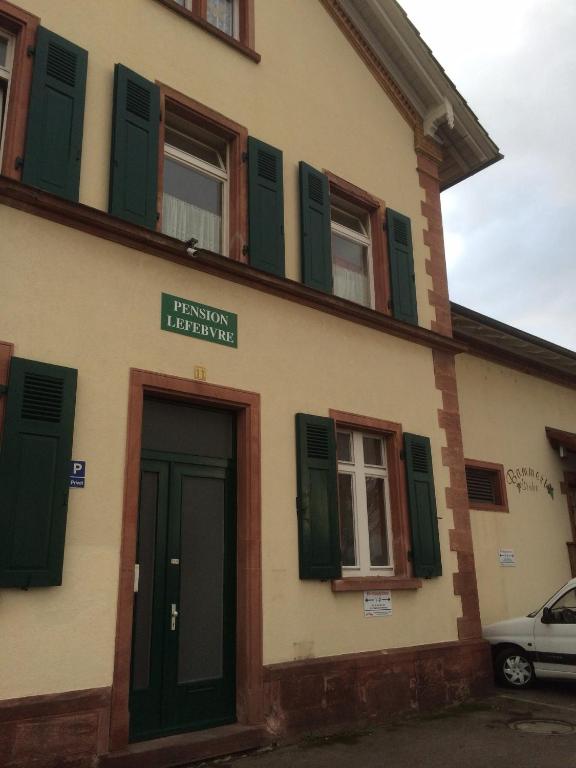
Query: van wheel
x: 514, y: 668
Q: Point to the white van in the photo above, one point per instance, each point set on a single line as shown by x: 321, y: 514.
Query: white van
x: 542, y: 644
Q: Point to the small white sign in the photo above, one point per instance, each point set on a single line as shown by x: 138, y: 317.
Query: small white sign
x: 507, y: 557
x: 377, y: 602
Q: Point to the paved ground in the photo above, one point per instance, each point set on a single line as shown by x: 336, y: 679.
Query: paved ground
x: 475, y: 735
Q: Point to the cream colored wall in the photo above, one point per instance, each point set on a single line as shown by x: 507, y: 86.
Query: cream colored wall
x: 504, y: 414
x: 71, y: 299
x: 310, y: 96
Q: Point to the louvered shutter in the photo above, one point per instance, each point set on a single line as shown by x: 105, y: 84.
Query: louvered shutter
x: 426, y: 559
x: 482, y: 485
x: 318, y: 521
x: 315, y: 229
x: 56, y: 116
x: 402, y: 279
x: 134, y: 160
x: 34, y: 470
x: 265, y: 207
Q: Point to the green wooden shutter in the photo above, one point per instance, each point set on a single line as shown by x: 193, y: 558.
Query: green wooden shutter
x: 315, y: 229
x: 134, y: 159
x: 318, y: 521
x: 56, y: 116
x: 265, y: 207
x: 34, y: 472
x: 422, y: 504
x: 402, y: 280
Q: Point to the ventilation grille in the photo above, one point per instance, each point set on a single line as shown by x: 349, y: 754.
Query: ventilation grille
x: 401, y: 232
x: 138, y: 100
x: 61, y: 64
x: 266, y: 166
x: 419, y: 458
x: 482, y: 485
x: 315, y: 189
x: 43, y: 397
x: 316, y: 442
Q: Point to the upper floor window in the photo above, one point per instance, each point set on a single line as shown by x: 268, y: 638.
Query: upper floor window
x: 351, y: 253
x: 364, y: 502
x: 231, y: 21
x: 195, y: 193
x: 223, y: 14
x: 6, y: 62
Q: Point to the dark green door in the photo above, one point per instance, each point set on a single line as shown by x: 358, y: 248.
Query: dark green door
x: 183, y: 655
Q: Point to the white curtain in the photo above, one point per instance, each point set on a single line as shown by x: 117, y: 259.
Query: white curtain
x: 351, y: 285
x: 183, y: 220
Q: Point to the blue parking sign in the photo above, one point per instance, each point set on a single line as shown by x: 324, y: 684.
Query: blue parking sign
x: 77, y: 474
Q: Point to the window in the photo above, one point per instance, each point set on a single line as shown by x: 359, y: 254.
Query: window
x: 364, y: 502
x: 486, y: 486
x: 230, y: 20
x: 202, y: 176
x: 6, y: 59
x: 564, y: 610
x: 351, y: 253
x: 18, y: 30
x: 195, y: 185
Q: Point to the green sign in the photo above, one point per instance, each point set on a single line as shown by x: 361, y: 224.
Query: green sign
x: 199, y: 321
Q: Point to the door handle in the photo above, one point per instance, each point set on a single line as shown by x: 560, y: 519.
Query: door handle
x: 173, y: 616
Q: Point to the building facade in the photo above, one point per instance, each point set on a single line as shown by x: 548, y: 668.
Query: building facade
x: 232, y: 482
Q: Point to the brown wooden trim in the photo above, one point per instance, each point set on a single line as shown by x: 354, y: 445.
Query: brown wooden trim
x: 100, y: 224
x: 510, y: 360
x: 568, y: 488
x: 249, y: 590
x: 24, y: 26
x: 198, y: 17
x: 374, y: 65
x: 363, y: 583
x: 392, y: 433
x: 6, y: 352
x: 456, y: 496
x: 559, y: 437
x: 236, y: 136
x: 376, y: 210
x: 498, y: 470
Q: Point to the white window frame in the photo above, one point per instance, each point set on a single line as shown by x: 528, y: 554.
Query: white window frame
x: 359, y: 472
x: 364, y: 240
x: 6, y: 75
x: 186, y: 159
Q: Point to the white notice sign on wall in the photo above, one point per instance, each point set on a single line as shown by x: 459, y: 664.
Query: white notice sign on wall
x: 507, y: 557
x: 378, y: 602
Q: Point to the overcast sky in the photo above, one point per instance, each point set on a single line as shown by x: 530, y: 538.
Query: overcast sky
x: 510, y: 230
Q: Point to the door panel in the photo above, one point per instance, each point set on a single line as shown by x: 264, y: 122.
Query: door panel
x: 147, y: 640
x: 556, y: 642
x: 200, y: 658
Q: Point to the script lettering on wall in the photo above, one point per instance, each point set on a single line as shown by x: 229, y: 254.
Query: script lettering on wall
x: 530, y: 480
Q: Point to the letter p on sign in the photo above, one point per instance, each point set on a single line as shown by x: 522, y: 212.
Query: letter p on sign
x: 77, y: 474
